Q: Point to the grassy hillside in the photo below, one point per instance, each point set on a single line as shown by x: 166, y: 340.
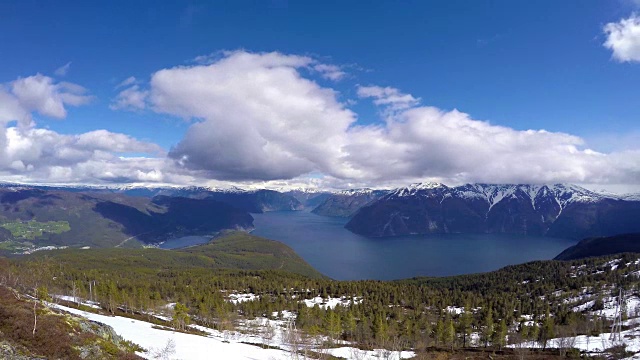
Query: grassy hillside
x: 235, y: 250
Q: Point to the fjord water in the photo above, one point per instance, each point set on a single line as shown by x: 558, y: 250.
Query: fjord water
x: 340, y: 254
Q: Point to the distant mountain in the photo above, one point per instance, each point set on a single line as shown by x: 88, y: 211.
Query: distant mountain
x: 35, y: 217
x: 601, y: 246
x: 559, y: 210
x: 348, y: 202
x: 308, y: 198
x: 255, y: 201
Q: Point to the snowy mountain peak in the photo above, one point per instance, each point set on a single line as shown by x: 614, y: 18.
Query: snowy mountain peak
x: 422, y: 188
x: 563, y: 194
x: 350, y: 192
x: 426, y: 186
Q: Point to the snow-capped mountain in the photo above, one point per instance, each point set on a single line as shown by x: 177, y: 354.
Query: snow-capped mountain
x: 559, y: 210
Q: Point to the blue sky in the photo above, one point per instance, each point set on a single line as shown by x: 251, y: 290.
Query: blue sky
x: 516, y: 64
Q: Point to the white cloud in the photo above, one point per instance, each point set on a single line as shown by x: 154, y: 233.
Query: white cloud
x: 623, y: 38
x: 42, y: 152
x: 331, y: 72
x: 259, y: 119
x: 35, y: 154
x: 10, y: 107
x: 63, y: 70
x: 426, y: 142
x: 132, y: 99
x: 388, y: 97
x: 40, y: 93
x: 131, y: 80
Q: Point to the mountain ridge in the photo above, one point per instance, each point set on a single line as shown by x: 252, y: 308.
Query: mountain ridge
x: 558, y: 210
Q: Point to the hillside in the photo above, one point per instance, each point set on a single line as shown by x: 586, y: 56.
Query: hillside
x: 234, y: 250
x: 537, y: 305
x: 601, y: 246
x: 565, y: 211
x: 31, y: 218
x: 56, y: 335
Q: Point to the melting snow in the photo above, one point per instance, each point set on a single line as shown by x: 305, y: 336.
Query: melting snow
x: 331, y: 303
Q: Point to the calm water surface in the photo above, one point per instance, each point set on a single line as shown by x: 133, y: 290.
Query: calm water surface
x: 340, y: 254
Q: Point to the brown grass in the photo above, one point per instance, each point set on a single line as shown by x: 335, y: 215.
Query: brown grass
x: 55, y: 336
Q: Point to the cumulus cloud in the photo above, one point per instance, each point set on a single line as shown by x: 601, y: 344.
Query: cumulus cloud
x: 40, y: 93
x: 623, y: 39
x: 35, y: 154
x: 426, y: 142
x: 132, y: 99
x: 44, y: 155
x: 259, y: 118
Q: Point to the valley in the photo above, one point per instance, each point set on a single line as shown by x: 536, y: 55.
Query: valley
x: 282, y: 275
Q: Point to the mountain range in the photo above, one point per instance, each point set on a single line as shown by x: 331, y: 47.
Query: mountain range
x: 559, y: 210
x: 254, y: 201
x: 43, y: 215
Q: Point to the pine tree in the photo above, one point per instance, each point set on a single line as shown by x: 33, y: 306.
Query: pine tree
x: 332, y: 324
x: 450, y: 334
x: 464, y: 326
x: 500, y: 334
x: 487, y: 331
x: 180, y: 316
x: 350, y: 323
x: 439, y: 332
x: 381, y: 329
x: 547, y: 331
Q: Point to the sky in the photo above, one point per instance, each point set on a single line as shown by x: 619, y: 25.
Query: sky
x: 330, y: 94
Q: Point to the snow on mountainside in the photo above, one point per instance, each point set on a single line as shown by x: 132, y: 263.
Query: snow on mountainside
x: 563, y: 194
x: 558, y: 210
x: 120, y: 187
x: 494, y: 193
x: 363, y: 191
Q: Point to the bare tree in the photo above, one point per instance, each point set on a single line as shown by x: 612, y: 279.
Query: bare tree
x: 166, y: 352
x: 268, y: 332
x: 357, y: 354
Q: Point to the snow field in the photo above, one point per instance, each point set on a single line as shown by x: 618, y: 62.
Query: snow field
x: 232, y: 345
